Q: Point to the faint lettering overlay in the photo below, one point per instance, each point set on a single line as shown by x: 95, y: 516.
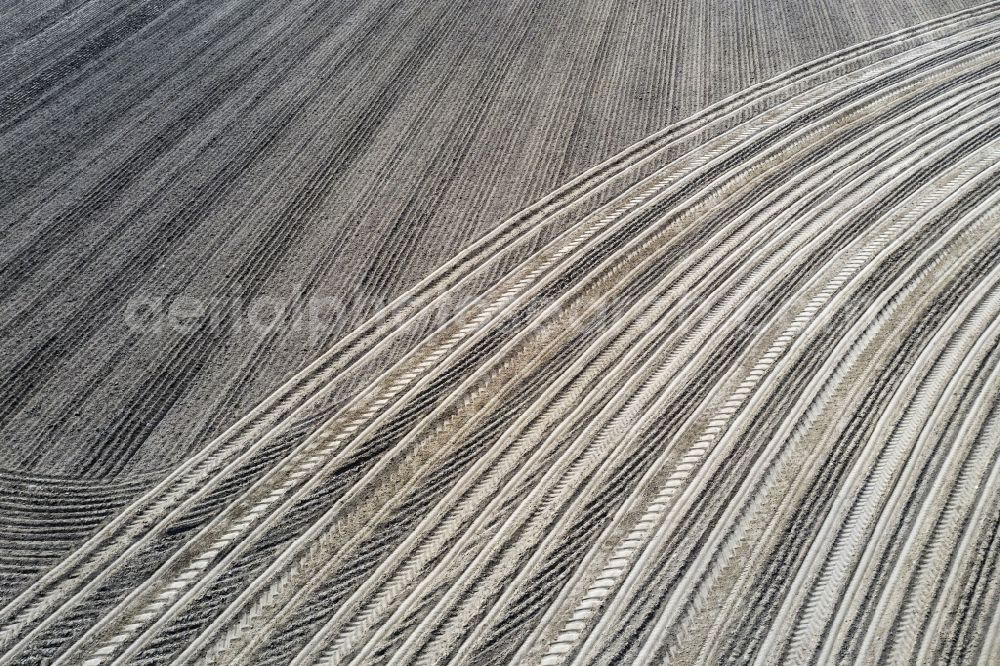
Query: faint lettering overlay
x: 320, y: 316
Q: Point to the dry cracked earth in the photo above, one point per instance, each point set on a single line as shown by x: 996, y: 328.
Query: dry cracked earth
x: 467, y: 332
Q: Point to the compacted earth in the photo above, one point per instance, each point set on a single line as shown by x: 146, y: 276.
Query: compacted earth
x: 536, y: 332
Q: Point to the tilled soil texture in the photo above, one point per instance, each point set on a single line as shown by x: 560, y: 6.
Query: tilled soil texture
x: 731, y: 395
x: 199, y: 198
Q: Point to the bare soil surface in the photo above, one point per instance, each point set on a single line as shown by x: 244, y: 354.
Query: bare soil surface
x: 425, y: 332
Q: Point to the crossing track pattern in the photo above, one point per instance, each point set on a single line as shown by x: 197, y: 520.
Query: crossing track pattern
x: 732, y: 395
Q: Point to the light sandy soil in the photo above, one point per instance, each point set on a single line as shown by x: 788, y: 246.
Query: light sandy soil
x: 728, y: 396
